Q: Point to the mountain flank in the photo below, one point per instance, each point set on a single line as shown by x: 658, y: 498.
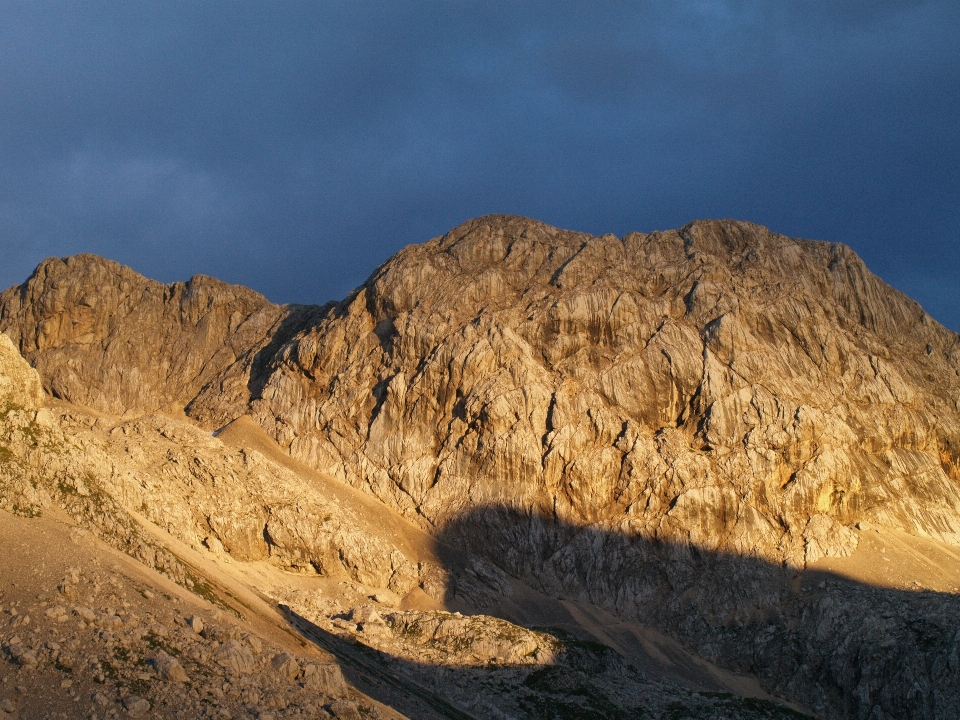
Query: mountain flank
x: 181, y: 625
x: 697, y: 430
x: 718, y: 385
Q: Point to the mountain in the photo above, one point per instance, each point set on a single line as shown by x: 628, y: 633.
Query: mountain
x: 718, y: 433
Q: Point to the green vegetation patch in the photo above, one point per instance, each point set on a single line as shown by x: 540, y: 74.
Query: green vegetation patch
x: 589, y: 656
x: 565, y: 694
x: 139, y: 687
x: 156, y: 642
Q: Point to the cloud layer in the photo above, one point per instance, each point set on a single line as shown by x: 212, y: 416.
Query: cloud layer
x: 293, y: 147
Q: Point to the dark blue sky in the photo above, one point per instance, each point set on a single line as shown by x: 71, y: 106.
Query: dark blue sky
x: 293, y: 147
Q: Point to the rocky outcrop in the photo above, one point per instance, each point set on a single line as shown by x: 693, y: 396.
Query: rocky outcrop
x: 229, y: 500
x: 103, y: 336
x: 19, y: 383
x: 495, y: 669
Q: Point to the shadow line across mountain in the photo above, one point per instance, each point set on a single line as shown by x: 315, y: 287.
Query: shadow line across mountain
x: 838, y: 647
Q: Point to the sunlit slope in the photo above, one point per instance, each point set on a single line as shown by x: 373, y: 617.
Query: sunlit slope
x: 891, y: 558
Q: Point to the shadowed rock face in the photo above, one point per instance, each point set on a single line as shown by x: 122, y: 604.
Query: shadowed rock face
x: 842, y: 648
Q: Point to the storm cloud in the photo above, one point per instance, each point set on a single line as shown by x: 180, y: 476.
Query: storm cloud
x: 292, y: 147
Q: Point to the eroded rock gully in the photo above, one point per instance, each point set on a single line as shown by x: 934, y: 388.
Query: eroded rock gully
x: 670, y: 425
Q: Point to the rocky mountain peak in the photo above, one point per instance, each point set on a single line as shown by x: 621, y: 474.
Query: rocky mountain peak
x: 670, y: 426
x: 511, y: 362
x: 103, y: 336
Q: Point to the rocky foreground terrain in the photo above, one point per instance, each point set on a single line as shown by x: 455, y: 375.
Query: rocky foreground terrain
x: 690, y: 472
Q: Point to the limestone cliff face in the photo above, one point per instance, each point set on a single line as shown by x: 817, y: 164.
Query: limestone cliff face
x: 19, y: 383
x: 719, y: 386
x: 665, y: 425
x: 103, y: 336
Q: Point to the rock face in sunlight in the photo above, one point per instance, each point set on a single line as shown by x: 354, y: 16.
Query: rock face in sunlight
x: 669, y: 426
x: 19, y: 383
x: 105, y: 337
x: 719, y: 386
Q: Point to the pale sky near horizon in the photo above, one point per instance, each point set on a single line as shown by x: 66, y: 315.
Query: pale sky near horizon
x: 294, y: 146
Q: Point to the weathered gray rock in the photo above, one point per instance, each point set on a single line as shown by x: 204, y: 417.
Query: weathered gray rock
x: 345, y: 710
x: 286, y: 664
x: 136, y: 706
x: 365, y: 615
x: 27, y: 658
x: 169, y: 668
x: 325, y: 678
x: 236, y: 657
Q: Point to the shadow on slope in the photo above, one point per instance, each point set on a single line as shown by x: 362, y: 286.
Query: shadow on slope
x: 840, y: 647
x: 585, y: 681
